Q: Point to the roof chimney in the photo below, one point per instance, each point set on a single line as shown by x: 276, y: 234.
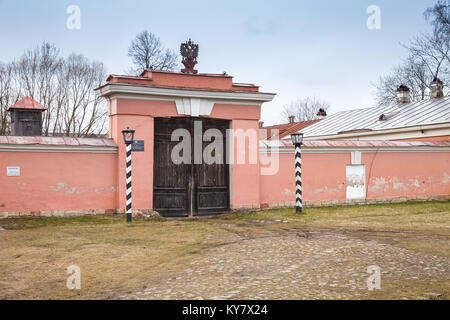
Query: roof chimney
x: 26, y: 118
x: 291, y: 119
x: 436, y: 89
x: 261, y: 124
x: 322, y: 114
x: 403, y: 95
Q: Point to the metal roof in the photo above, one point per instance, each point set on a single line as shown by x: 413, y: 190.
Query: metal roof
x: 399, y: 116
x: 285, y: 129
x: 27, y: 103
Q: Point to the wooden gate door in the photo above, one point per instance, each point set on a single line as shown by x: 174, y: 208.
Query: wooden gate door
x: 189, y: 189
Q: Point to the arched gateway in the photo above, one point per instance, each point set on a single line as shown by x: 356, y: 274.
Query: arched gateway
x: 157, y: 103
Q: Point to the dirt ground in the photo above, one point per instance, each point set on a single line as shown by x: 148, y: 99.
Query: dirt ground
x: 276, y: 254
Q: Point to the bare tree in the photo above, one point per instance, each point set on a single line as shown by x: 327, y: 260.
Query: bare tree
x: 82, y: 111
x: 439, y: 17
x: 35, y: 72
x: 8, y: 95
x: 410, y: 73
x: 64, y: 85
x: 147, y: 52
x: 304, y: 108
x: 432, y: 51
x: 428, y: 58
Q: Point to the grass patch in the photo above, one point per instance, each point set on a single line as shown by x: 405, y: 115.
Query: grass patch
x: 434, y: 216
x: 39, y: 222
x: 117, y: 258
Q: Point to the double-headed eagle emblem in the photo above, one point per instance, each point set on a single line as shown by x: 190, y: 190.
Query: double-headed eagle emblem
x: 189, y: 52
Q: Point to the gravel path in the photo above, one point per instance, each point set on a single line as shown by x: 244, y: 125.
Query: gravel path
x: 295, y: 265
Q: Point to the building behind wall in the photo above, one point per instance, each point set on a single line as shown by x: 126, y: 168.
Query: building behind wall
x: 26, y: 118
x: 423, y: 120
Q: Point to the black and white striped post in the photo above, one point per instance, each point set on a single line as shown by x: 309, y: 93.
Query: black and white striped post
x: 128, y: 137
x: 297, y: 139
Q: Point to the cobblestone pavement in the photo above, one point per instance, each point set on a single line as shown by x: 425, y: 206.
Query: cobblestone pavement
x: 293, y: 265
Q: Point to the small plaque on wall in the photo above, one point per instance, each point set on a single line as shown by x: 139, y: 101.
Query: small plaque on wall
x: 138, y: 145
x: 13, y: 171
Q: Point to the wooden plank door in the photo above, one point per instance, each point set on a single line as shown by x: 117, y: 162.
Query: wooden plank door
x: 170, y: 181
x: 190, y: 189
x: 211, y: 186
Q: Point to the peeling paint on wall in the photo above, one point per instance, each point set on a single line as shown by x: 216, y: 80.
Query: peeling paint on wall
x: 288, y: 192
x: 397, y: 185
x: 414, y: 183
x: 325, y: 189
x: 99, y: 190
x: 62, y: 187
x: 72, y: 190
x: 405, y: 185
x: 378, y: 185
x: 445, y: 178
x: 59, y: 187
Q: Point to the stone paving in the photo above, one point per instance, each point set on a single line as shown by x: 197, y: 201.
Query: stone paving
x: 292, y: 265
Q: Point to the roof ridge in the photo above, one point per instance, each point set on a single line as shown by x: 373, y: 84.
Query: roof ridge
x: 27, y: 103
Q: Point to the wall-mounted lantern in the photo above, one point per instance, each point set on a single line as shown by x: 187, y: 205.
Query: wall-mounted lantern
x: 128, y: 135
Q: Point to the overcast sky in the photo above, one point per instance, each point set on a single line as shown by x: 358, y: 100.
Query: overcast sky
x: 292, y: 48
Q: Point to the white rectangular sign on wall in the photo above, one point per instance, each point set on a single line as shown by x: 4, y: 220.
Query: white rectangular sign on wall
x: 13, y: 171
x: 356, y: 181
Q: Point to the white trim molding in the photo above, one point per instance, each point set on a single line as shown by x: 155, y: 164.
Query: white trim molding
x: 56, y: 148
x: 355, y: 157
x: 194, y: 106
x: 291, y: 150
x: 188, y: 101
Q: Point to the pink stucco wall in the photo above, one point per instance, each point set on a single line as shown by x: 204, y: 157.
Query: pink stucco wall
x: 407, y: 174
x: 58, y: 181
x: 96, y: 181
x: 323, y: 178
x: 388, y: 175
x: 245, y: 175
x: 89, y: 181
